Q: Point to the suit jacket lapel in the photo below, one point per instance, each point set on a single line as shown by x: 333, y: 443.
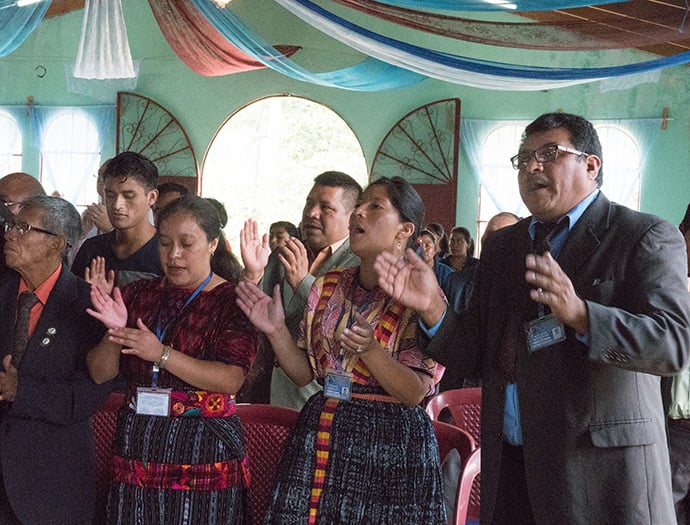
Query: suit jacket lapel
x: 60, y: 300
x: 586, y: 236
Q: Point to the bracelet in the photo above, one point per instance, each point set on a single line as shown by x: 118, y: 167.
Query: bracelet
x: 165, y: 354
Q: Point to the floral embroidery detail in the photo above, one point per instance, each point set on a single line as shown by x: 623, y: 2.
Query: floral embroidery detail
x: 202, y: 403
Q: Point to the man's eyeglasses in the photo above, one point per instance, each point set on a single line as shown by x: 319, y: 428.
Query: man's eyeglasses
x: 547, y: 153
x: 23, y: 227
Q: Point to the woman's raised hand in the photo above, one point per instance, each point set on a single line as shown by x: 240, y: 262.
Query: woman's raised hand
x: 266, y: 313
x: 254, y: 250
x: 111, y: 311
x: 95, y: 274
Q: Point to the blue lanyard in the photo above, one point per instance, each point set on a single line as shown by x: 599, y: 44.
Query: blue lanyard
x: 161, y: 331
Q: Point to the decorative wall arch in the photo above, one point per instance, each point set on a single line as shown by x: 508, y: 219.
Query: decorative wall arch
x: 148, y: 128
x: 423, y: 149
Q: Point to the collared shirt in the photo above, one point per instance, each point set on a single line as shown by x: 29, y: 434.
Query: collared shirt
x: 512, y: 429
x: 42, y: 291
x: 323, y: 256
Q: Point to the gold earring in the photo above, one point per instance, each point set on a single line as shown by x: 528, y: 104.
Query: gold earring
x: 399, y: 246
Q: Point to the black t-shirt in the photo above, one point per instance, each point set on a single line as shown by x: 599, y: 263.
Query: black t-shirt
x: 146, y: 260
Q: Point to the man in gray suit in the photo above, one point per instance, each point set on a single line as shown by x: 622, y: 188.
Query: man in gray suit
x: 570, y: 329
x: 325, y: 245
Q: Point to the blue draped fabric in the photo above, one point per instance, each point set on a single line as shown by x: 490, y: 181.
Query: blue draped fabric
x: 501, y: 5
x: 369, y: 75
x: 17, y: 23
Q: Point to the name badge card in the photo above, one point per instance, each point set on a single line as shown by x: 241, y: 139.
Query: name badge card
x: 543, y: 332
x: 338, y: 385
x: 153, y: 401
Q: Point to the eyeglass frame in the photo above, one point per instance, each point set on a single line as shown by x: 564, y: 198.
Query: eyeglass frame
x: 533, y: 154
x: 23, y: 227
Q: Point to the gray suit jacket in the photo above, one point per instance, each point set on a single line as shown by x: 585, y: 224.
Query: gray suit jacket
x: 46, y: 448
x: 591, y: 414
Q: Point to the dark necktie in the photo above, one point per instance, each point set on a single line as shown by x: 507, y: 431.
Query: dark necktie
x: 25, y: 303
x: 544, y: 232
x: 514, y: 338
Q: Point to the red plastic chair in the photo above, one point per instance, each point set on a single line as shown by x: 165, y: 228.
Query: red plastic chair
x: 451, y: 437
x: 103, y: 425
x: 465, y: 408
x: 266, y: 431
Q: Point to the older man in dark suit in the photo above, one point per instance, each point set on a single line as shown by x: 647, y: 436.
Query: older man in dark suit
x: 577, y: 311
x: 46, y: 395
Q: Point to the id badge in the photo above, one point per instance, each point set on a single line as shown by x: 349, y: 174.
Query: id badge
x: 544, y: 331
x: 153, y: 401
x: 338, y: 384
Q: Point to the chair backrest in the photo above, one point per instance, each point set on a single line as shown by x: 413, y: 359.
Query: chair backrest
x: 451, y: 437
x: 266, y: 431
x: 465, y: 407
x: 103, y: 424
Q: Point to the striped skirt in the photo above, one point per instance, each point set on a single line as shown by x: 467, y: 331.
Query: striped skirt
x: 378, y: 464
x: 178, y: 470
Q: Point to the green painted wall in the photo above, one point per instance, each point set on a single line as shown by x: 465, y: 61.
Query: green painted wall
x: 202, y: 104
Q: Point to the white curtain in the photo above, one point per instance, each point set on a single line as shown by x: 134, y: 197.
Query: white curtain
x: 104, y: 62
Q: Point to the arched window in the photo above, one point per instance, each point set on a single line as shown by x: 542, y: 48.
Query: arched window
x: 622, y: 170
x: 10, y: 144
x: 263, y: 160
x: 70, y: 157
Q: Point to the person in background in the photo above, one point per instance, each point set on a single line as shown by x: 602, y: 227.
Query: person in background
x: 576, y: 313
x: 429, y: 244
x: 279, y: 233
x: 442, y: 244
x: 15, y: 188
x: 458, y: 288
x: 94, y: 219
x: 184, y: 347
x: 324, y: 245
x: 363, y: 450
x: 46, y: 394
x: 461, y: 254
x: 130, y: 250
x: 167, y: 192
x: 676, y: 392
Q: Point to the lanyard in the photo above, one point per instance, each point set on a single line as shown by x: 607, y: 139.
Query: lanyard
x: 162, y: 330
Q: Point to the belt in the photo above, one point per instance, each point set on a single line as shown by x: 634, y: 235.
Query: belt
x: 375, y: 397
x: 683, y: 424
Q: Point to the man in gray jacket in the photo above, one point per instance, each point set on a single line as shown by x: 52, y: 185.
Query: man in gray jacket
x: 325, y: 245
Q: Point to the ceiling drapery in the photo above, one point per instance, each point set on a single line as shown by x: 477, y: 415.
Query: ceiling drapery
x: 458, y: 69
x: 199, y: 45
x: 369, y: 75
x: 611, y: 31
x: 17, y: 23
x: 495, y: 5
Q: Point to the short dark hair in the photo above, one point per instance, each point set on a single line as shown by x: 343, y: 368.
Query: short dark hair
x: 583, y: 136
x: 132, y: 164
x: 290, y: 228
x: 338, y: 179
x: 407, y: 201
x: 172, y: 187
x: 58, y: 216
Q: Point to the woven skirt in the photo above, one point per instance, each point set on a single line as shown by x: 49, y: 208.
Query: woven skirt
x: 379, y: 464
x: 178, y: 470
